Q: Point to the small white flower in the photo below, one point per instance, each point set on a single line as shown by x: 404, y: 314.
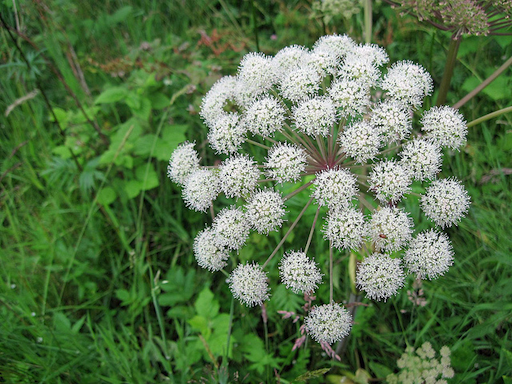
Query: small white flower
x: 392, y: 119
x: 430, y: 255
x: 288, y: 59
x: 212, y: 107
x: 200, y: 189
x: 299, y: 273
x: 207, y: 253
x: 351, y: 96
x: 239, y: 175
x: 390, y: 229
x: 389, y: 181
x: 184, y: 160
x: 265, y: 211
x: 361, y: 141
x: 380, y: 276
x: 285, y: 162
x: 376, y: 54
x: 256, y: 72
x: 231, y: 228
x: 248, y: 283
x: 445, y: 127
x: 445, y: 202
x: 227, y: 134
x: 315, y: 116
x: 301, y: 84
x: 339, y: 45
x: 265, y: 117
x: 335, y: 188
x: 408, y: 83
x: 324, y: 61
x: 345, y: 228
x: 328, y: 323
x: 422, y: 159
x: 360, y: 65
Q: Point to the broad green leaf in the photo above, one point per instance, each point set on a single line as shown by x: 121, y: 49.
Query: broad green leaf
x: 147, y: 175
x: 143, y: 144
x: 111, y: 95
x: 173, y: 133
x: 206, y: 305
x: 107, y: 196
x: 133, y: 188
x: 158, y: 100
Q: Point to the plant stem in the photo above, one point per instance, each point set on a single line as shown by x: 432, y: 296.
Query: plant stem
x: 298, y: 190
x: 288, y: 233
x: 451, y: 58
x: 312, y: 230
x: 367, y: 21
x: 489, y: 116
x: 483, y: 84
x: 257, y: 144
x: 331, y: 283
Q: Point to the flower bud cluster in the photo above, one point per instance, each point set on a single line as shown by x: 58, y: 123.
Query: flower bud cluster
x: 334, y: 121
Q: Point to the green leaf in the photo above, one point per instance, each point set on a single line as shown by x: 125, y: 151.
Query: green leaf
x: 64, y: 153
x: 206, y: 305
x: 158, y: 100
x: 111, y: 95
x: 123, y: 295
x: 312, y: 374
x: 172, y: 133
x: 133, y: 188
x: 143, y: 144
x: 147, y: 174
x: 201, y: 324
x: 107, y: 196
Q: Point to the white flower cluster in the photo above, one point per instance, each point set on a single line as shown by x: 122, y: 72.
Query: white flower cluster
x: 332, y: 119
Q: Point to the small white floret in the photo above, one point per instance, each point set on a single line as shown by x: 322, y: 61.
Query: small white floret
x: 248, y: 283
x: 315, y: 116
x: 335, y: 188
x: 422, y: 159
x: 445, y: 202
x: 285, y: 162
x: 328, y: 323
x: 265, y: 211
x: 429, y: 255
x: 200, y: 189
x: 380, y: 276
x: 239, y: 176
x: 361, y: 141
x: 184, y: 160
x: 345, y: 228
x: 231, y: 228
x: 392, y: 119
x: 265, y: 117
x: 299, y: 273
x: 390, y: 181
x: 445, y: 127
x: 227, y: 134
x: 390, y: 229
x: 207, y: 253
x: 301, y: 84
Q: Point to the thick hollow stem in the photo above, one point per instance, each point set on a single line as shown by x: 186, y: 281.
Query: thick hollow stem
x: 287, y: 233
x: 367, y: 21
x: 451, y: 58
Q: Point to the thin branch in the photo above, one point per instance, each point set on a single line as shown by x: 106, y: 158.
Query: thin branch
x: 288, y: 233
x: 312, y: 230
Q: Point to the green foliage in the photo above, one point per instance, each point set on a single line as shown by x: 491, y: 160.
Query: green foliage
x: 99, y: 282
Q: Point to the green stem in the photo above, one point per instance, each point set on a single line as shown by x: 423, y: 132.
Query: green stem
x: 298, y: 190
x: 288, y: 233
x: 451, y: 58
x: 483, y: 84
x: 257, y: 144
x: 490, y: 116
x: 368, y: 21
x: 312, y: 230
x: 331, y: 283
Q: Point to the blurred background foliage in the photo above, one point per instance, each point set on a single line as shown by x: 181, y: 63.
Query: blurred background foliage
x: 98, y: 280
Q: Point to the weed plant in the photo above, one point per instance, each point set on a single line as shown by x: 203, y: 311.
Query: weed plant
x: 98, y: 278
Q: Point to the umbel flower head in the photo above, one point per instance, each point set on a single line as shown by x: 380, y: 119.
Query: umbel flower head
x: 334, y: 127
